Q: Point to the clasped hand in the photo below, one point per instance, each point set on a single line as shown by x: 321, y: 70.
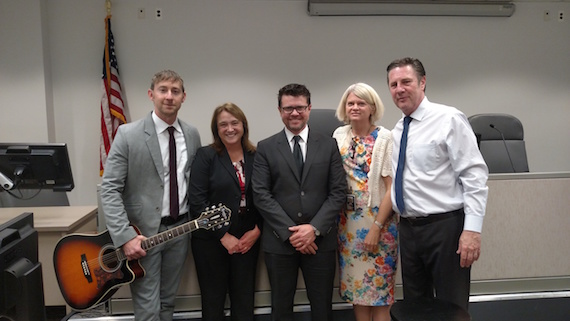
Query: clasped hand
x: 242, y: 245
x: 303, y: 238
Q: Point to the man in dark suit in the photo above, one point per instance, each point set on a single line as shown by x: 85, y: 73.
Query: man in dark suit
x: 299, y: 188
x: 136, y: 191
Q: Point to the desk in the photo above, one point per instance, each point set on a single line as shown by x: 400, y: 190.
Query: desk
x: 52, y: 223
x: 525, y: 233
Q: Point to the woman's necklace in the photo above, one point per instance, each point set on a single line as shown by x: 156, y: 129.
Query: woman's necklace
x: 368, y: 131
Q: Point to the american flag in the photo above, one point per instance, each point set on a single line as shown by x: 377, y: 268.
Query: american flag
x: 113, y: 108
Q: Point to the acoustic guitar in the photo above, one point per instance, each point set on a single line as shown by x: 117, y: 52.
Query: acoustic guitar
x: 89, y: 269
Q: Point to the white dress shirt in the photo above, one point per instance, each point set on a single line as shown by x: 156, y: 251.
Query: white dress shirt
x: 444, y: 168
x: 302, y: 142
x: 181, y: 160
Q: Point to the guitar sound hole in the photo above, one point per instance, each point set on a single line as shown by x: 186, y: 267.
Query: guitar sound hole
x: 108, y: 259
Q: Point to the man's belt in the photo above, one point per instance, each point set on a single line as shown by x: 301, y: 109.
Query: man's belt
x: 168, y: 220
x: 423, y: 220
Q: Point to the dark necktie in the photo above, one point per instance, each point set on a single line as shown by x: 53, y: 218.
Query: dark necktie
x: 174, y: 210
x: 398, y: 188
x: 297, y: 154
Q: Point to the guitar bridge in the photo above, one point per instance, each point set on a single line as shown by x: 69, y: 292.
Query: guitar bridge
x: 85, y: 267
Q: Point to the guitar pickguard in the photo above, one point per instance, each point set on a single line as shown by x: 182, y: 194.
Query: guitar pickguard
x: 105, y: 278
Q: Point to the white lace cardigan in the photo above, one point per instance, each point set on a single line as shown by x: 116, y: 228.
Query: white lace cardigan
x: 381, y: 163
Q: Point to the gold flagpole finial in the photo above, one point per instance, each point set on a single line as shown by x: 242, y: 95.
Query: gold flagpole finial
x: 108, y: 6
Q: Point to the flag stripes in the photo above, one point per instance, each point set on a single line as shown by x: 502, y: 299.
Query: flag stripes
x: 113, y: 109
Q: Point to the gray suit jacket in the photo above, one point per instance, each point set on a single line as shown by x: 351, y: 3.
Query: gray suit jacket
x: 284, y: 198
x: 132, y: 186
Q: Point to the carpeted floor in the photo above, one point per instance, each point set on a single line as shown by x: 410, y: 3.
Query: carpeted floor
x: 551, y: 309
x: 59, y: 313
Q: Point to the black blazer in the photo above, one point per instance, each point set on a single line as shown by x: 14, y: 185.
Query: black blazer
x: 213, y: 180
x: 284, y: 198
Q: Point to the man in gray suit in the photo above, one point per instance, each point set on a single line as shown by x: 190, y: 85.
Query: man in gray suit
x: 136, y: 191
x: 299, y: 188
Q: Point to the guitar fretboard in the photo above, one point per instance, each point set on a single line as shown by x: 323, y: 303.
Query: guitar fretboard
x: 169, y: 235
x: 205, y: 220
x: 160, y: 238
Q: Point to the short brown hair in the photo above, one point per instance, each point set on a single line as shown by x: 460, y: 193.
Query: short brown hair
x: 407, y: 61
x: 166, y: 75
x: 294, y: 90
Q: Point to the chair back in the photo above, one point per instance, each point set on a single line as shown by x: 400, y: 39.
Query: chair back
x: 501, y: 141
x: 324, y: 121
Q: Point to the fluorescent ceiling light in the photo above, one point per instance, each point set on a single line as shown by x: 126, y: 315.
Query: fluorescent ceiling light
x: 489, y: 8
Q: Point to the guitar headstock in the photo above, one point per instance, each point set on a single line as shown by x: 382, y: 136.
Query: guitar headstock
x: 214, y: 217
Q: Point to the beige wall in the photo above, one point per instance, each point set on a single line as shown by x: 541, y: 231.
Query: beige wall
x: 244, y: 50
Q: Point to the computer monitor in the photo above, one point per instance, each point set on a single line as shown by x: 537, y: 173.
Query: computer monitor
x: 21, y: 282
x: 35, y: 166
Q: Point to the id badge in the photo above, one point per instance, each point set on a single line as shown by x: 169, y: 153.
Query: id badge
x: 349, y: 202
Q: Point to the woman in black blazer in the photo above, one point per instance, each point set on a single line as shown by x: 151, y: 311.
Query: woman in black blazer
x: 226, y: 259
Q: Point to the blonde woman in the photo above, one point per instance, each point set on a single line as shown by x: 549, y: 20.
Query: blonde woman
x: 368, y: 231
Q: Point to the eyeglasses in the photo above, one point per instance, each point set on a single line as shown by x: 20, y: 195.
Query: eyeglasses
x: 289, y: 109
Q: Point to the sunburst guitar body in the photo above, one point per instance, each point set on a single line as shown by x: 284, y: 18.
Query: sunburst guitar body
x: 89, y: 269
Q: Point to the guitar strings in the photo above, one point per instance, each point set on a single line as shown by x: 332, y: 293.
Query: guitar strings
x: 113, y: 257
x: 107, y: 258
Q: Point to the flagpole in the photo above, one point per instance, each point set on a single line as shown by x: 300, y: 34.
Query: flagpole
x: 113, y: 107
x: 107, y: 66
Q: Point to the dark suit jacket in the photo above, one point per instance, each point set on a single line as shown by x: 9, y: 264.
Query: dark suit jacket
x: 214, y: 181
x: 285, y: 199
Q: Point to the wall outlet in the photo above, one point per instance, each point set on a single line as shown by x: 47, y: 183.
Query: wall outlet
x: 546, y: 15
x: 561, y: 16
x: 158, y: 14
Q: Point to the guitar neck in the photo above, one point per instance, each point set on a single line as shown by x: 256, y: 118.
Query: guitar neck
x: 211, y: 218
x: 168, y: 235
x: 163, y: 237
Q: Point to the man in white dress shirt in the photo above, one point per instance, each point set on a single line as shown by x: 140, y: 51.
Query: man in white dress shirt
x: 442, y: 194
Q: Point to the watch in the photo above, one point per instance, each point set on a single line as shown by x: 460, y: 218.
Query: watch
x: 317, y: 232
x: 380, y: 225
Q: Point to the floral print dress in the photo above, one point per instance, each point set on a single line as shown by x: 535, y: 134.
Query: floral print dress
x: 366, y: 278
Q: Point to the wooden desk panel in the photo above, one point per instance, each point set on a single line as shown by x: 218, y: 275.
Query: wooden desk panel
x: 526, y: 229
